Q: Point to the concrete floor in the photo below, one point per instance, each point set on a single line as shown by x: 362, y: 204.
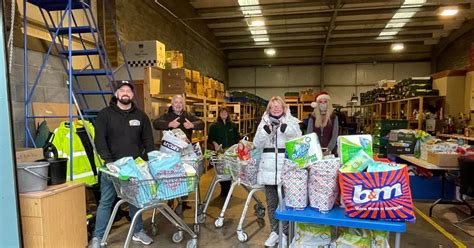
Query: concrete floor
x: 419, y: 234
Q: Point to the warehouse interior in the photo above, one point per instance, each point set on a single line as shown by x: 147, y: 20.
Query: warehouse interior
x: 238, y: 54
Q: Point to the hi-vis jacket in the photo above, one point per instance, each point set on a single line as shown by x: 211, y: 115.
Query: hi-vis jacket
x: 82, y: 170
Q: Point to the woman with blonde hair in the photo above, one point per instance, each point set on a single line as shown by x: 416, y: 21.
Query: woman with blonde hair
x: 324, y: 123
x: 276, y: 128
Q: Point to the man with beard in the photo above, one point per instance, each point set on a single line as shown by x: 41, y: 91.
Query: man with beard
x: 121, y: 130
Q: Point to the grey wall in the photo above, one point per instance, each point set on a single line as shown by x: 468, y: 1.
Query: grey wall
x: 51, y: 87
x: 342, y: 80
x: 145, y: 20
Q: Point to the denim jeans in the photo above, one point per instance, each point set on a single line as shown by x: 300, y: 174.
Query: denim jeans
x: 104, y: 210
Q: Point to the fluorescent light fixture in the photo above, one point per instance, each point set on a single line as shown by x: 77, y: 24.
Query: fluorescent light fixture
x: 388, y: 33
x: 261, y: 39
x: 403, y: 15
x: 258, y: 32
x: 449, y: 11
x: 385, y: 37
x: 270, y: 51
x: 397, y: 47
x: 248, y: 2
x: 257, y: 23
x: 395, y: 25
x: 407, y: 2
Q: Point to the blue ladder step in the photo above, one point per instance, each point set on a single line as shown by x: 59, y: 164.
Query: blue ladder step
x: 81, y: 52
x: 55, y: 5
x: 74, y: 30
x: 94, y: 92
x: 90, y: 72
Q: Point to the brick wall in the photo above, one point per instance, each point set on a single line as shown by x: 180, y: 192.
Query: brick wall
x: 51, y: 87
x: 456, y: 54
x: 145, y: 20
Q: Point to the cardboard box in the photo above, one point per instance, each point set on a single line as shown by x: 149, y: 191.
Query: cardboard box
x: 211, y: 93
x: 174, y: 60
x: 196, y: 77
x: 307, y: 97
x: 153, y: 77
x: 24, y: 155
x: 189, y: 87
x: 173, y: 86
x: 220, y: 94
x: 443, y: 159
x: 200, y: 90
x: 205, y: 80
x: 209, y: 83
x: 221, y: 87
x: 174, y: 74
x: 145, y: 53
x: 188, y: 74
x: 400, y: 148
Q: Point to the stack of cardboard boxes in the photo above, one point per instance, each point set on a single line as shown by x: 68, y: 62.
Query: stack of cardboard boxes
x: 214, y: 88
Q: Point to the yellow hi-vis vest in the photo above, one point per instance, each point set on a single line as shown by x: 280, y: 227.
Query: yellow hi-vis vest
x: 82, y: 170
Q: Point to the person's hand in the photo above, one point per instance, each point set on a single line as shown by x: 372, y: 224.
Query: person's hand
x: 174, y: 124
x: 217, y: 147
x: 327, y: 152
x: 268, y: 128
x: 188, y: 124
x: 283, y: 127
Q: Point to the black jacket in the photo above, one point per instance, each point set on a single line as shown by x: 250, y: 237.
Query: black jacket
x: 162, y: 122
x: 223, y: 134
x: 121, y: 133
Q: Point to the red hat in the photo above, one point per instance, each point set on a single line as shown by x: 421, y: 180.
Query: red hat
x: 323, y: 95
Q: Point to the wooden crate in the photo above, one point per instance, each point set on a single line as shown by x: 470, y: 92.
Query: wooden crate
x: 55, y: 217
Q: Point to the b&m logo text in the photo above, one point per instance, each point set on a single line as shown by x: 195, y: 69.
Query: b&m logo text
x: 362, y: 196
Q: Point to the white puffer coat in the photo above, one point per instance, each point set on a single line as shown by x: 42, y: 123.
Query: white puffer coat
x: 271, y: 166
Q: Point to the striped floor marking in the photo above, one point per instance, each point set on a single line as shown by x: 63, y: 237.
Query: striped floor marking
x: 443, y: 231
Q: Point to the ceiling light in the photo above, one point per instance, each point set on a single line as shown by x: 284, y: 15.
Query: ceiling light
x: 449, y: 11
x: 258, y: 32
x: 388, y: 33
x: 260, y: 39
x: 248, y: 2
x: 402, y: 15
x: 397, y: 47
x: 412, y: 2
x: 270, y: 51
x: 395, y: 25
x: 257, y: 23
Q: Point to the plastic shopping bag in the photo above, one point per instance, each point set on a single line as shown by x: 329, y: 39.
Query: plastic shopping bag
x: 172, y: 142
x: 377, y: 195
x: 139, y: 188
x: 322, y: 186
x: 295, y: 185
x: 311, y: 236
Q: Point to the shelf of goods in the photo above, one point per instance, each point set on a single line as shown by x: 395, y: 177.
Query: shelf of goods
x: 246, y: 115
x: 201, y: 106
x: 402, y: 109
x: 381, y: 130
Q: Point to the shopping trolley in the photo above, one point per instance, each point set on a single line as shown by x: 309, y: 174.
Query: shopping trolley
x: 222, y: 174
x: 242, y: 175
x: 149, y: 194
x: 198, y: 166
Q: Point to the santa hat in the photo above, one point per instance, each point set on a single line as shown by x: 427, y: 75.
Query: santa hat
x: 323, y: 95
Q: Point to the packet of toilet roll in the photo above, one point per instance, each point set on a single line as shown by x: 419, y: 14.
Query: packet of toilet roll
x: 349, y: 145
x: 304, y: 150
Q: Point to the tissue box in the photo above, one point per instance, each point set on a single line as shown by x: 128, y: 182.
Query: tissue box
x: 349, y: 145
x: 305, y: 150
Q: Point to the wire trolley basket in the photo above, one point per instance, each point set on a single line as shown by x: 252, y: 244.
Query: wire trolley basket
x: 244, y: 171
x: 220, y: 167
x: 142, y: 193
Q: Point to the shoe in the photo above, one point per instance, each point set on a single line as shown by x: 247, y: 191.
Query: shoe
x: 186, y: 206
x: 142, y: 237
x: 272, y: 240
x: 95, y: 243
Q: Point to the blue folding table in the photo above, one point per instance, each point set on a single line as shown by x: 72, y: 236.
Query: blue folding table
x: 336, y: 218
